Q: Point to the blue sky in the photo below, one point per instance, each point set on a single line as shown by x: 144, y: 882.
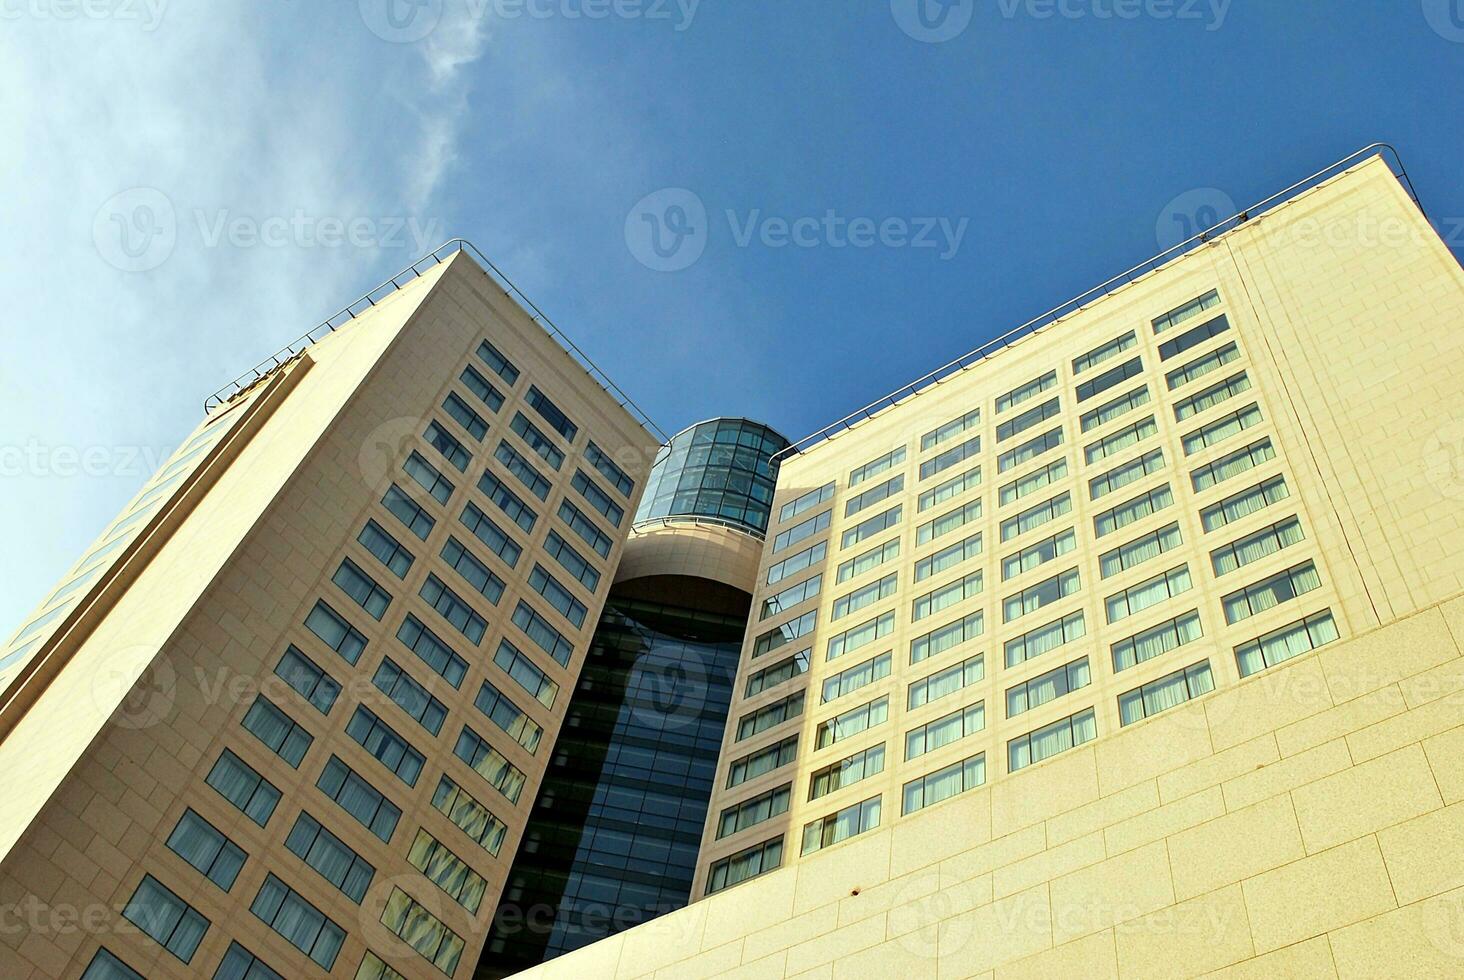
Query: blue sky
x: 1031, y: 147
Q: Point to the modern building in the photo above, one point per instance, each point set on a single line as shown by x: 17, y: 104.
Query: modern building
x: 1129, y: 644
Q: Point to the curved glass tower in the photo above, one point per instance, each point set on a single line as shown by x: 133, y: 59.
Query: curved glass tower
x: 613, y: 836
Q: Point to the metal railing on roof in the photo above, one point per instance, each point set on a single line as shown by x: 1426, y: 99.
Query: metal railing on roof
x: 372, y: 296
x: 996, y: 344
x: 672, y: 520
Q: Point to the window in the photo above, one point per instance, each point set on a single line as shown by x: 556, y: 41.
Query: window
x: 1029, y: 450
x: 1043, y: 593
x: 1045, y: 638
x: 1136, y: 598
x: 606, y: 467
x: 1026, y: 391
x: 277, y: 730
x: 1116, y: 442
x: 522, y: 470
x: 794, y: 564
x: 941, y: 462
x: 1039, y: 554
x: 753, y: 811
x: 762, y: 762
x: 204, y: 846
x: 428, y: 477
x: 859, y: 676
x: 769, y: 716
x: 1156, y: 641
x: 1116, y: 408
x: 330, y: 857
x: 1035, y: 517
x: 472, y: 571
x: 1123, y: 475
x: 526, y: 674
x: 572, y: 561
x: 878, y: 524
x: 840, y: 826
x: 444, y: 442
x: 508, y: 716
x: 1140, y: 550
x: 387, y: 549
x: 859, y: 636
x: 875, y: 467
x: 947, y: 637
x: 847, y: 772
x: 1165, y: 693
x: 1032, y: 482
x: 557, y: 595
x: 544, y: 636
x: 408, y: 511
x: 462, y: 413
x: 1047, y: 687
x: 410, y: 696
x: 944, y: 730
x: 489, y: 763
x: 551, y: 413
x: 948, y: 557
x: 800, y: 531
x: 301, y: 924
x: 805, y: 502
x: 1111, y: 378
x: 869, y: 560
x: 1233, y: 464
x: 781, y: 602
x: 1221, y: 429
x: 851, y: 722
x: 385, y: 745
x: 756, y: 860
x: 597, y: 498
x: 362, y: 587
x: 1271, y: 592
x: 1257, y: 545
x: 451, y: 607
x: 105, y: 966
x: 430, y: 649
x: 447, y: 871
x: 946, y: 596
x: 335, y: 632
x: 240, y: 964
x: 1244, y: 503
x: 537, y: 441
x: 1187, y: 311
x: 171, y: 922
x: 1018, y: 424
x: 253, y: 795
x: 947, y: 681
x: 1049, y: 740
x: 866, y: 596
x: 507, y: 501
x: 950, y: 430
x: 422, y: 931
x: 470, y: 816
x: 874, y: 495
x: 1282, y: 644
x: 1211, y: 396
x: 950, y: 489
x: 779, y: 673
x: 501, y: 365
x: 956, y: 778
x: 491, y: 535
x: 365, y: 804
x: 308, y: 680
x: 948, y: 522
x: 1193, y: 337
x: 1133, y: 510
x: 1100, y: 354
x: 585, y: 528
x: 782, y: 635
x: 1201, y: 366
x: 482, y: 388
x: 374, y: 968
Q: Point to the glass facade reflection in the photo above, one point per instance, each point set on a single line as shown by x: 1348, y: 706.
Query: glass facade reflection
x: 612, y: 839
x: 721, y: 469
